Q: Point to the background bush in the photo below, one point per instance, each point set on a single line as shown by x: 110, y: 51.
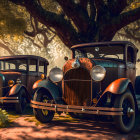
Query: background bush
x: 3, y: 118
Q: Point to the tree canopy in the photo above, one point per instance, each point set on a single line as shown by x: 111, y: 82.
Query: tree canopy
x: 74, y: 21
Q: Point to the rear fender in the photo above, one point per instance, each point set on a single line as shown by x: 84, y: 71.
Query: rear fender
x: 52, y: 88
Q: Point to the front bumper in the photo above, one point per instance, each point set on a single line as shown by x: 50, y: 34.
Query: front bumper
x: 77, y: 109
x: 9, y: 100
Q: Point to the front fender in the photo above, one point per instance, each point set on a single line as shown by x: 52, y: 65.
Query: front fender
x: 15, y: 89
x: 118, y: 86
x: 54, y: 90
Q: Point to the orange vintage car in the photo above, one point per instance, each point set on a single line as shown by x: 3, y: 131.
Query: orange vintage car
x: 100, y: 79
x: 17, y: 75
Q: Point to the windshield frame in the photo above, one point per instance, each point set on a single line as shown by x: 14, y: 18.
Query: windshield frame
x: 101, y: 45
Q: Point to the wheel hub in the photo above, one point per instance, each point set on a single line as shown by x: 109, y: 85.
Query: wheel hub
x: 130, y: 112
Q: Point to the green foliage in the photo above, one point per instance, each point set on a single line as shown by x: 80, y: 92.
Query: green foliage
x: 10, y: 23
x: 3, y: 118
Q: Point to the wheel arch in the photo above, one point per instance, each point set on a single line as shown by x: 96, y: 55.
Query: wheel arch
x: 15, y: 90
x: 119, y: 86
x: 50, y: 87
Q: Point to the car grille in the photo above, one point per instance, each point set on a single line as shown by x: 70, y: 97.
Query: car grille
x: 77, y: 87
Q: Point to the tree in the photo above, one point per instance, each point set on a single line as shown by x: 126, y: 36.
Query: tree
x: 80, y: 21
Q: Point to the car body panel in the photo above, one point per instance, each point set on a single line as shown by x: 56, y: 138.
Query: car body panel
x: 52, y: 88
x: 25, y: 68
x: 79, y: 89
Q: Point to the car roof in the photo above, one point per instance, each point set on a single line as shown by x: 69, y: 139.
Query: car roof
x: 104, y: 43
x: 24, y: 57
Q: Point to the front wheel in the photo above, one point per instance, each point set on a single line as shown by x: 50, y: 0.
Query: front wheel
x: 43, y: 115
x: 125, y: 123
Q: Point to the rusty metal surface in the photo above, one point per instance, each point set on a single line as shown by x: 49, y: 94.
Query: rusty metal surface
x: 77, y: 87
x: 84, y: 62
x: 76, y: 106
x: 9, y: 100
x: 78, y: 109
x: 118, y: 86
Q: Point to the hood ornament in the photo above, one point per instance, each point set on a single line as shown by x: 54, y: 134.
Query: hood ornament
x: 76, y: 63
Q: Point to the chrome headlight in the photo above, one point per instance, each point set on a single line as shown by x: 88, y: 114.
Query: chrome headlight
x: 56, y: 75
x: 98, y: 73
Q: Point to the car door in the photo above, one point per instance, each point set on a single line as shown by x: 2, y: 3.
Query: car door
x: 32, y: 74
x: 131, y: 64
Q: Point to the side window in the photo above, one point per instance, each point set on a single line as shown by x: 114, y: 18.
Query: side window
x: 32, y: 65
x: 41, y: 66
x: 1, y: 65
x: 130, y: 54
x: 22, y: 64
x: 9, y: 66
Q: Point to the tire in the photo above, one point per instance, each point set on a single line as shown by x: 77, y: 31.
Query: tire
x: 40, y: 115
x: 20, y: 107
x: 126, y: 122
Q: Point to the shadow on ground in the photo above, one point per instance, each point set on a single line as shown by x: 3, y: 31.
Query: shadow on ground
x: 64, y: 127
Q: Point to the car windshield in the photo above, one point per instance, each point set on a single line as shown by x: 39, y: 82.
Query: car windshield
x: 13, y: 64
x: 101, y: 51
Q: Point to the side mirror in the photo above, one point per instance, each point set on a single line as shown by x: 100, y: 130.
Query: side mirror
x: 66, y: 58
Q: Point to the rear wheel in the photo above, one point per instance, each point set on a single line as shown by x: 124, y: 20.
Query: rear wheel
x: 20, y: 107
x: 125, y: 123
x: 43, y: 115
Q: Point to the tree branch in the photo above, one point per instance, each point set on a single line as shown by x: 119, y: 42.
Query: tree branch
x: 6, y: 48
x: 84, y: 3
x: 102, y: 11
x: 127, y: 17
x: 92, y: 10
x: 76, y: 12
x: 130, y: 36
x: 32, y: 40
x: 116, y: 7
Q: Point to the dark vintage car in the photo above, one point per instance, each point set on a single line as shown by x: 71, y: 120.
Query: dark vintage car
x: 100, y: 79
x: 17, y: 75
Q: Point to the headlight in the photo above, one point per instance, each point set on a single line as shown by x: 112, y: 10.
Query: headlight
x: 11, y: 83
x: 56, y: 74
x: 98, y: 73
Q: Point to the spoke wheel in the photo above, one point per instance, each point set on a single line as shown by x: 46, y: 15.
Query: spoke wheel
x: 20, y: 107
x: 43, y: 115
x: 125, y: 123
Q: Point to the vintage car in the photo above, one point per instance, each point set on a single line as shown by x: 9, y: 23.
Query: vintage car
x: 17, y: 75
x: 100, y: 79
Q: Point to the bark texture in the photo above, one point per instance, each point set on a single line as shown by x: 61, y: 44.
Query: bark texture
x: 85, y: 21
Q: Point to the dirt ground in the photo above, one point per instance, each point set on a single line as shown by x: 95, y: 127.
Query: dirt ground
x: 25, y: 127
